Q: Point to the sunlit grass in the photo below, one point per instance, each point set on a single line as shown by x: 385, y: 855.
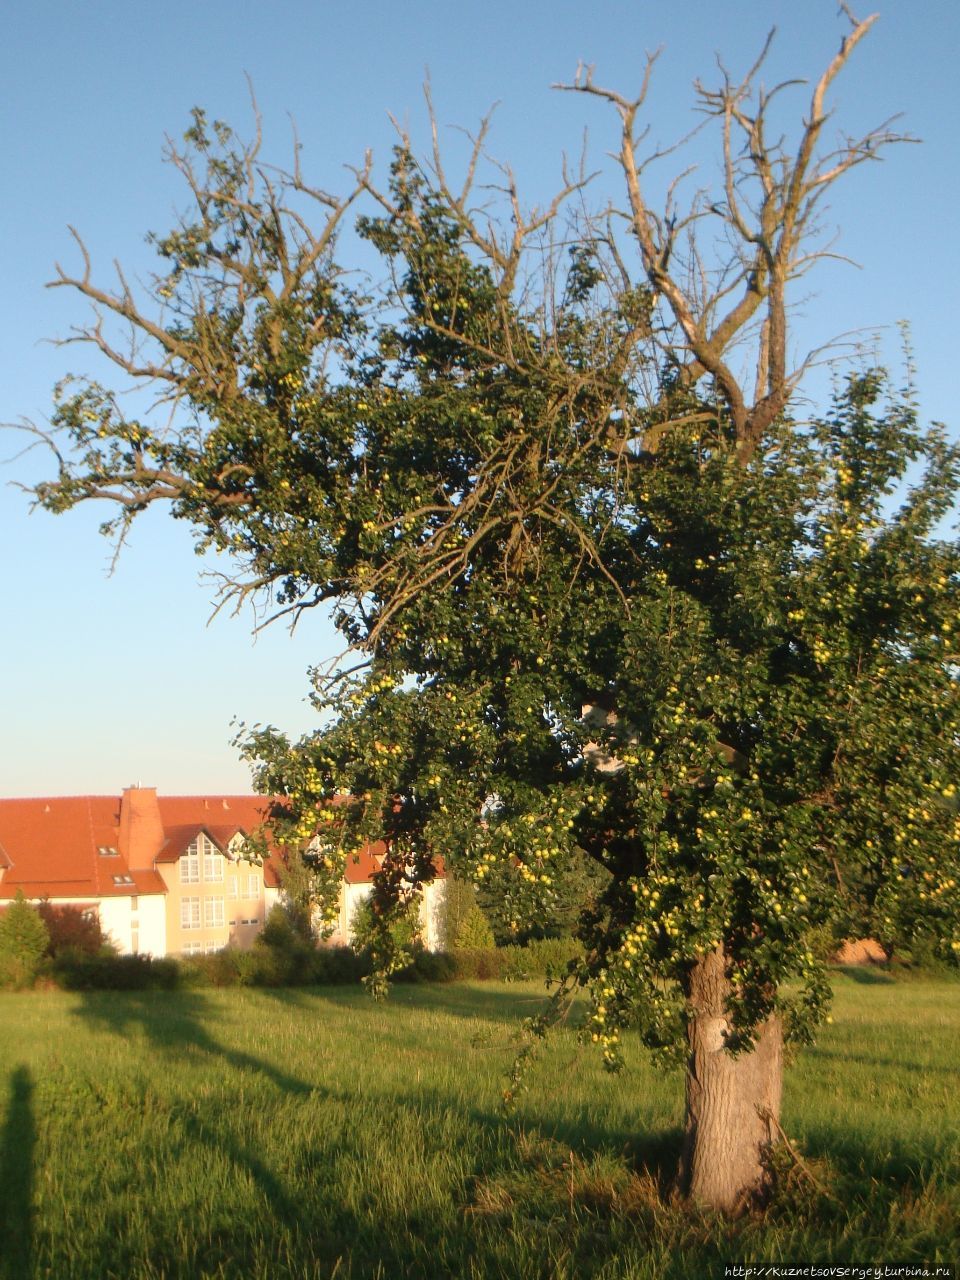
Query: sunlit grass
x: 250, y: 1133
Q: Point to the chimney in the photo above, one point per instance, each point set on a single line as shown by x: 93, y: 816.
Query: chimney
x: 141, y: 829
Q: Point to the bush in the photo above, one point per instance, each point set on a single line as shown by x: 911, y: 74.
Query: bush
x: 337, y: 965
x: 23, y: 944
x: 72, y: 929
x: 404, y: 926
x: 473, y: 931
x: 215, y: 969
x: 546, y: 958
x: 541, y: 957
x: 285, y: 955
x: 78, y: 971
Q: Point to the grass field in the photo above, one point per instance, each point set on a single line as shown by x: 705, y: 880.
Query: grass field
x: 312, y: 1133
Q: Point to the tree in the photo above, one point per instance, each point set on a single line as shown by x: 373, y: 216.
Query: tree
x: 23, y: 943
x: 71, y: 929
x: 607, y: 595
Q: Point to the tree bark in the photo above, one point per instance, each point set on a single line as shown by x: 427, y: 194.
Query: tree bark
x: 732, y: 1100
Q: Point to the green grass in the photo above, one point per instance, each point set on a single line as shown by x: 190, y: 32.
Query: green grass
x: 280, y: 1134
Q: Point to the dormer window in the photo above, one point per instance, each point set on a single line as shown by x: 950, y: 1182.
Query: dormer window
x: 123, y: 881
x: 108, y: 851
x: 201, y: 851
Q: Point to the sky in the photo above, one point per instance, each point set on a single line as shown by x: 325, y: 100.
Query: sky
x: 112, y: 679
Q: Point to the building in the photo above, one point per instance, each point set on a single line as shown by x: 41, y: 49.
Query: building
x: 166, y: 875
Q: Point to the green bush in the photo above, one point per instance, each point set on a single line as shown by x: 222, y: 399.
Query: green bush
x: 23, y: 944
x: 542, y: 957
x: 79, y: 971
x: 545, y: 958
x: 336, y: 965
x: 473, y: 931
x: 216, y: 969
x: 404, y: 926
x: 430, y: 966
x: 286, y: 955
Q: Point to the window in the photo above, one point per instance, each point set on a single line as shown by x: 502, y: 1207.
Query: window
x: 212, y: 861
x: 107, y: 851
x: 190, y: 865
x: 189, y: 913
x: 253, y: 886
x: 193, y: 949
x: 213, y: 913
x: 123, y: 881
x: 234, y: 887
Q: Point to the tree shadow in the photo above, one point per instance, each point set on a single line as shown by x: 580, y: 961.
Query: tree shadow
x: 16, y: 1179
x: 868, y: 975
x: 177, y: 1025
x: 816, y: 1053
x: 889, y: 1165
x: 655, y: 1153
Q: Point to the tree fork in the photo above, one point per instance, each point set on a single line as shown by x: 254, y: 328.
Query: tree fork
x: 733, y: 1101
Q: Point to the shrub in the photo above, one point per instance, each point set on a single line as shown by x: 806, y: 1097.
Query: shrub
x: 548, y: 957
x: 404, y: 926
x: 285, y: 955
x: 473, y: 931
x: 72, y: 929
x: 78, y: 971
x: 336, y: 965
x: 23, y: 943
x: 216, y: 969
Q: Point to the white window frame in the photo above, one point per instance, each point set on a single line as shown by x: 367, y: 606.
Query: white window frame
x: 253, y: 886
x: 233, y: 887
x: 190, y: 913
x: 213, y: 913
x: 212, y: 859
x: 190, y: 865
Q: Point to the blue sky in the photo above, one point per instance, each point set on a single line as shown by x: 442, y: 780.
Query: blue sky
x: 107, y: 680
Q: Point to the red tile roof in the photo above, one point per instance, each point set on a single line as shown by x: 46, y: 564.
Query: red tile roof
x: 49, y: 846
x: 52, y: 847
x: 361, y: 866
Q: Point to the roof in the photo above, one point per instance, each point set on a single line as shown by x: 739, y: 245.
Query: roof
x: 52, y: 849
x: 361, y: 866
x: 79, y: 846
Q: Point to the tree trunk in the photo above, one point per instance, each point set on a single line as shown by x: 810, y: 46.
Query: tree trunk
x: 732, y: 1101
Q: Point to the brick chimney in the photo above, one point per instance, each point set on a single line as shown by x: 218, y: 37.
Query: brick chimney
x: 141, y: 829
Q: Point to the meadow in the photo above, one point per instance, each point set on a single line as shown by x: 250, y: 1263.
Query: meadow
x: 312, y: 1133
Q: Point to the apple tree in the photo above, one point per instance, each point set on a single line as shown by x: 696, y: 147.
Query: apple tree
x: 607, y: 594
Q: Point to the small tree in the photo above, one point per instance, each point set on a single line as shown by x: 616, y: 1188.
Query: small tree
x: 474, y: 930
x: 71, y: 929
x: 23, y: 943
x: 609, y: 595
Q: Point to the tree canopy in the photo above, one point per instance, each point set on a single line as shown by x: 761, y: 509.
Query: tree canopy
x: 607, y: 593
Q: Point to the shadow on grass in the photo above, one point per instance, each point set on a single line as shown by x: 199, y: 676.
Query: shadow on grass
x: 866, y: 975
x: 471, y: 1002
x: 16, y: 1179
x: 177, y: 1025
x: 815, y: 1053
x: 866, y: 1166
x: 654, y: 1153
x: 310, y: 1220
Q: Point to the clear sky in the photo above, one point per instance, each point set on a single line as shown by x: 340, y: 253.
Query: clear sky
x: 108, y: 680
